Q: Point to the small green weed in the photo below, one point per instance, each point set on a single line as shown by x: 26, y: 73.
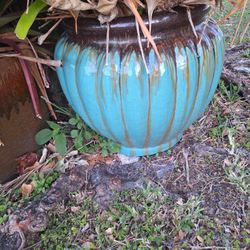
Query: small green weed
x: 186, y: 214
x: 84, y: 139
x: 230, y: 91
x: 54, y: 132
x: 238, y: 173
x: 221, y: 120
x: 43, y: 181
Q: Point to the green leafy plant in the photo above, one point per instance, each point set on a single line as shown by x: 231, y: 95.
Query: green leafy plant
x: 55, y: 133
x: 84, y: 139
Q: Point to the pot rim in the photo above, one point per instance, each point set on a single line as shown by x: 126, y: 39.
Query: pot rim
x: 172, y: 20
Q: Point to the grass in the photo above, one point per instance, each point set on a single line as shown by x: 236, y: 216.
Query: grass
x: 229, y: 26
x: 137, y: 219
x: 11, y: 202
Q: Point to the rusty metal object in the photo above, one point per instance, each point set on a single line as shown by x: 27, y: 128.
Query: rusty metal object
x: 18, y: 123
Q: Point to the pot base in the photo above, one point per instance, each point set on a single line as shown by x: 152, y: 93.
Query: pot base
x: 151, y: 150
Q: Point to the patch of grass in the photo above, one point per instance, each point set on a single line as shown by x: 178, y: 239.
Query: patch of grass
x: 238, y: 173
x: 186, y: 214
x: 14, y: 200
x: 137, y: 219
x: 229, y: 26
x: 229, y: 91
x: 221, y: 122
x: 63, y: 230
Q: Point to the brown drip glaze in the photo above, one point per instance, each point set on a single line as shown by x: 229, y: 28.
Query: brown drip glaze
x: 165, y: 26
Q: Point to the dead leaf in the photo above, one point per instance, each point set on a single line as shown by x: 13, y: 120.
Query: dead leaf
x: 109, y: 231
x: 180, y: 202
x: 107, y: 19
x: 34, y: 166
x: 25, y: 161
x: 105, y: 7
x: 200, y: 239
x: 180, y: 236
x: 75, y: 209
x: 69, y: 5
x: 26, y: 189
x: 98, y: 158
x: 48, y: 167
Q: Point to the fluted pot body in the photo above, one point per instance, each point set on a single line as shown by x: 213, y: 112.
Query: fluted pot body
x: 146, y: 109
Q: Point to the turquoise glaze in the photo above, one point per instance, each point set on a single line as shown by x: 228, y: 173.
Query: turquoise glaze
x: 145, y: 113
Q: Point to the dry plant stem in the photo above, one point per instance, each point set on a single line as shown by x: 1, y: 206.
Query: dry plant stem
x: 54, y: 63
x: 206, y: 24
x: 53, y: 17
x: 107, y: 44
x: 75, y: 15
x: 144, y: 29
x: 17, y: 182
x: 238, y: 27
x: 151, y: 5
x: 185, y: 155
x: 32, y: 88
x: 45, y: 24
x: 191, y: 22
x: 27, y: 6
x: 244, y: 31
x: 45, y: 83
x: 140, y: 45
x: 237, y: 6
x: 42, y: 38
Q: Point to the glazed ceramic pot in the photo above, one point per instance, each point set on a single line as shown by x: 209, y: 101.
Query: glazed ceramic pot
x: 145, y: 113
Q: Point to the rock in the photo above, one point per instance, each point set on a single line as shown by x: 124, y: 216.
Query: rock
x: 160, y: 173
x: 133, y: 184
x: 128, y: 172
x: 127, y: 159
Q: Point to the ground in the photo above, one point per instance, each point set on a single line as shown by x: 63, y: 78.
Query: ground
x: 194, y: 196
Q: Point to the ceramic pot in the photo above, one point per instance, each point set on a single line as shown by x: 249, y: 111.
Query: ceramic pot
x: 145, y: 112
x: 18, y: 123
